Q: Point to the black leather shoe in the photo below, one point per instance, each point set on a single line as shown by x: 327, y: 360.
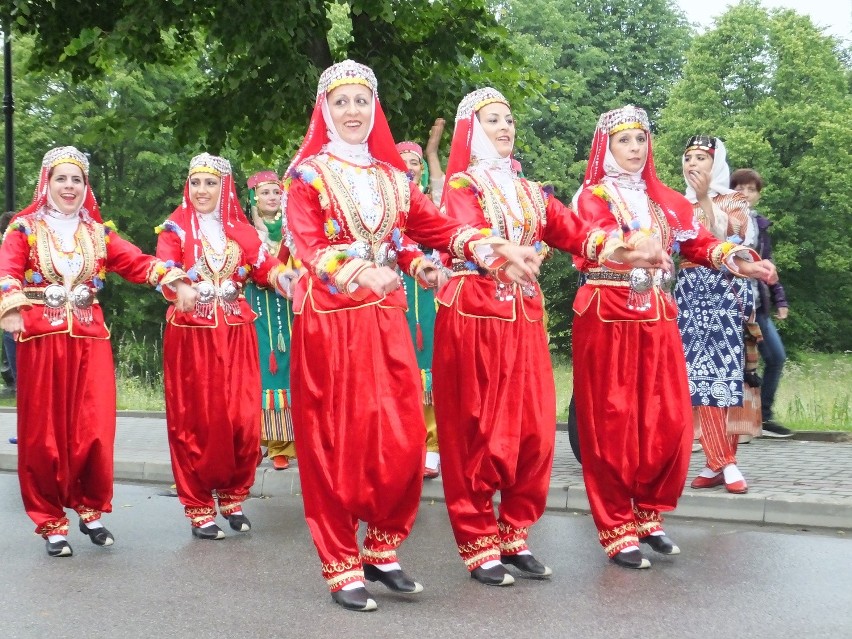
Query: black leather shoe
x: 58, y: 548
x: 496, y: 576
x: 630, y: 559
x: 661, y: 544
x: 240, y: 523
x: 528, y: 566
x: 396, y: 580
x: 208, y: 532
x: 99, y: 536
x: 356, y: 599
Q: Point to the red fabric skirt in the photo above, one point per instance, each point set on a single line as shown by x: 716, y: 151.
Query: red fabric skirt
x: 212, y: 384
x: 66, y: 427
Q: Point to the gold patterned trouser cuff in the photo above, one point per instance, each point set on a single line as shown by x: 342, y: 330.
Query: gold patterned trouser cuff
x: 480, y: 550
x: 380, y: 546
x: 53, y: 527
x: 339, y: 573
x: 614, y: 540
x: 647, y: 521
x: 200, y: 516
x: 512, y: 540
x: 87, y: 514
x: 229, y: 503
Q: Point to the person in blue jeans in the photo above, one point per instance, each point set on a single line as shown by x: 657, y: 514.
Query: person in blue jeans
x: 750, y: 184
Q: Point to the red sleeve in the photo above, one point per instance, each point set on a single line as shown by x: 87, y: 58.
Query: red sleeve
x: 169, y: 247
x: 451, y: 233
x: 306, y: 223
x: 127, y: 260
x: 14, y: 254
x: 567, y: 231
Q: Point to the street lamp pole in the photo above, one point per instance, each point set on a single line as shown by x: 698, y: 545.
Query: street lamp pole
x: 8, y: 110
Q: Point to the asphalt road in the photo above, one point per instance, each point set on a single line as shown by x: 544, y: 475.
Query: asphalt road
x: 731, y: 580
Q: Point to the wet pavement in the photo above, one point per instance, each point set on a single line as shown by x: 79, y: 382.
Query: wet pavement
x: 731, y: 580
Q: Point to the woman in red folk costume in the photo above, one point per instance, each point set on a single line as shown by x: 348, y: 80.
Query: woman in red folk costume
x: 495, y: 400
x: 356, y: 389
x: 210, y: 355
x: 53, y: 263
x: 630, y: 385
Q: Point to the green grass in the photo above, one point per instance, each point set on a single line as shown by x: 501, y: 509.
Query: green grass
x: 815, y: 392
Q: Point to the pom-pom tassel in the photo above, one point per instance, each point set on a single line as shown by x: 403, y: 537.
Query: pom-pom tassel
x: 273, y: 363
x: 282, y: 345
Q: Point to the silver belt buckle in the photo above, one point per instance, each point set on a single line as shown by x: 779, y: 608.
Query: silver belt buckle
x: 55, y: 296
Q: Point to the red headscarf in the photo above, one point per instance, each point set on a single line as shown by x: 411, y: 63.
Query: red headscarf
x: 234, y: 221
x: 379, y: 141
x: 460, y: 149
x: 672, y: 202
x: 55, y: 157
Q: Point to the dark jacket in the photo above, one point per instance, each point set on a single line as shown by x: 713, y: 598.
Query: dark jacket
x: 773, y: 294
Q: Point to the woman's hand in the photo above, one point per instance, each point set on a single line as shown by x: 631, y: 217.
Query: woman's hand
x: 647, y: 254
x: 433, y: 276
x: 762, y: 270
x: 186, y: 296
x: 522, y: 262
x: 12, y: 322
x: 379, y: 279
x: 699, y: 181
x: 434, y: 142
x: 286, y: 282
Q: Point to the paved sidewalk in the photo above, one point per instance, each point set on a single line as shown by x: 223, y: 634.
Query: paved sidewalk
x: 791, y: 482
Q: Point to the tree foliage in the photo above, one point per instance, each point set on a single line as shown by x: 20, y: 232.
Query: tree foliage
x: 259, y: 62
x: 137, y: 178
x: 597, y: 55
x: 776, y: 89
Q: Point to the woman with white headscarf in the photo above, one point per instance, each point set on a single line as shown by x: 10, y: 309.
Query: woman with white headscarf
x: 713, y: 307
x: 53, y: 265
x: 495, y: 399
x: 630, y: 385
x: 211, y: 371
x: 353, y: 215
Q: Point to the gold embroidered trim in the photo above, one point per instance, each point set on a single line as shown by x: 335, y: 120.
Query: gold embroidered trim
x: 619, y: 545
x: 386, y: 556
x: 345, y: 578
x: 90, y: 237
x: 480, y: 558
x: 200, y: 515
x: 345, y: 564
x: 395, y: 195
x: 393, y: 540
x: 232, y: 262
x: 479, y: 543
x: 458, y: 240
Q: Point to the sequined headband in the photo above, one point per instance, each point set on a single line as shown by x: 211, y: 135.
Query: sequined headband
x: 701, y: 143
x: 66, y: 155
x: 347, y: 72
x: 474, y: 101
x: 213, y: 164
x: 627, y: 117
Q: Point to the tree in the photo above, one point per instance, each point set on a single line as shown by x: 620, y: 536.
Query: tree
x: 137, y: 178
x: 259, y: 62
x: 597, y: 55
x: 775, y: 88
